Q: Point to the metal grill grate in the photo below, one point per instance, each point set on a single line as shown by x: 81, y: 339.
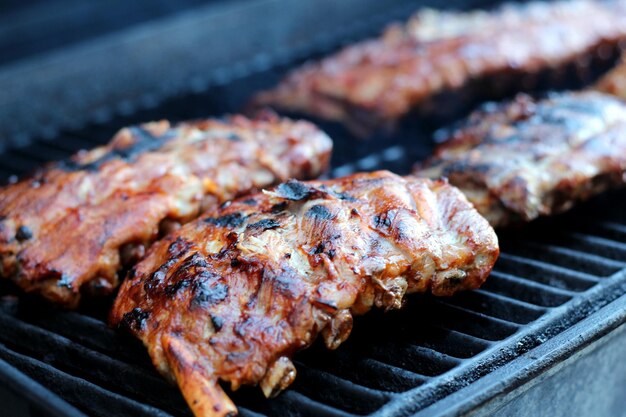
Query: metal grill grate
x: 550, y: 276
x: 424, y: 352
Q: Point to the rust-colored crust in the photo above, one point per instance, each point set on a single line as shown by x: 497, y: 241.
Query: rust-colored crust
x: 243, y: 287
x: 73, y: 225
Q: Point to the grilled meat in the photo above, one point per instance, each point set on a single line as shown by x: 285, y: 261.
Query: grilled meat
x: 72, y: 226
x: 374, y: 83
x: 232, y: 295
x: 615, y: 81
x: 527, y: 158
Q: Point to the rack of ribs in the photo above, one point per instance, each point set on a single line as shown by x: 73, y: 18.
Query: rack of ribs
x: 232, y: 295
x: 519, y: 160
x: 374, y: 84
x: 74, y: 225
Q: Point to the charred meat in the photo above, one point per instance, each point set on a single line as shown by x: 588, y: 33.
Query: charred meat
x: 374, y: 83
x: 232, y: 295
x: 74, y: 225
x: 527, y: 158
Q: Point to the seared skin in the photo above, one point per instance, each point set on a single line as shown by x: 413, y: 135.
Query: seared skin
x: 373, y: 84
x: 232, y: 295
x: 74, y: 225
x: 527, y: 158
x: 615, y: 81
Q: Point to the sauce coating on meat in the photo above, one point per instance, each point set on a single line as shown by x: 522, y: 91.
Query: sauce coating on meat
x: 374, y: 83
x: 73, y: 225
x: 232, y: 295
x: 519, y: 160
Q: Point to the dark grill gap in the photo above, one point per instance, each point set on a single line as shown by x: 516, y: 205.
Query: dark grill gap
x: 560, y: 270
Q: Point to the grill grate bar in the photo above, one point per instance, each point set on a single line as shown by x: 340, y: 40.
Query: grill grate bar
x: 244, y: 412
x: 602, y: 246
x: 526, y: 290
x: 606, y: 226
x: 398, y: 379
x: 534, y: 308
x: 449, y: 342
x: 489, y: 328
x: 539, y: 286
x: 498, y: 307
x: 546, y: 273
x: 569, y: 258
x: 417, y: 359
x: 364, y: 371
x: 485, y: 331
x: 338, y: 392
x: 578, y: 254
x: 293, y: 403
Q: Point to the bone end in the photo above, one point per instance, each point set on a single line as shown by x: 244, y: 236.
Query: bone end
x: 201, y: 390
x: 278, y: 377
x: 338, y: 330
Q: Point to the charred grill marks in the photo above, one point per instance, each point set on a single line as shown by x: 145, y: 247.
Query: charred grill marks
x: 207, y: 294
x: 265, y: 224
x: 294, y: 190
x: 231, y: 220
x: 134, y: 319
x: 320, y: 212
x: 143, y: 141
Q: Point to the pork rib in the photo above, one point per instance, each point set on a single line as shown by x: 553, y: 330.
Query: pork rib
x: 231, y: 296
x: 73, y: 225
x: 373, y: 84
x: 519, y: 160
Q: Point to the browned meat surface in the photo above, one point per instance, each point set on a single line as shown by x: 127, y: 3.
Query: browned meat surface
x: 523, y: 159
x: 374, y: 83
x: 72, y: 226
x: 231, y: 296
x: 615, y: 81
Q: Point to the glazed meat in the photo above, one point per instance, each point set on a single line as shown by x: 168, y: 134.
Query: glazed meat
x: 615, y: 81
x: 72, y: 226
x: 527, y: 158
x: 231, y: 296
x: 372, y: 84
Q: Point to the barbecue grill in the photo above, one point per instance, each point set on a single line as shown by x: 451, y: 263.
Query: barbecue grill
x: 543, y: 336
